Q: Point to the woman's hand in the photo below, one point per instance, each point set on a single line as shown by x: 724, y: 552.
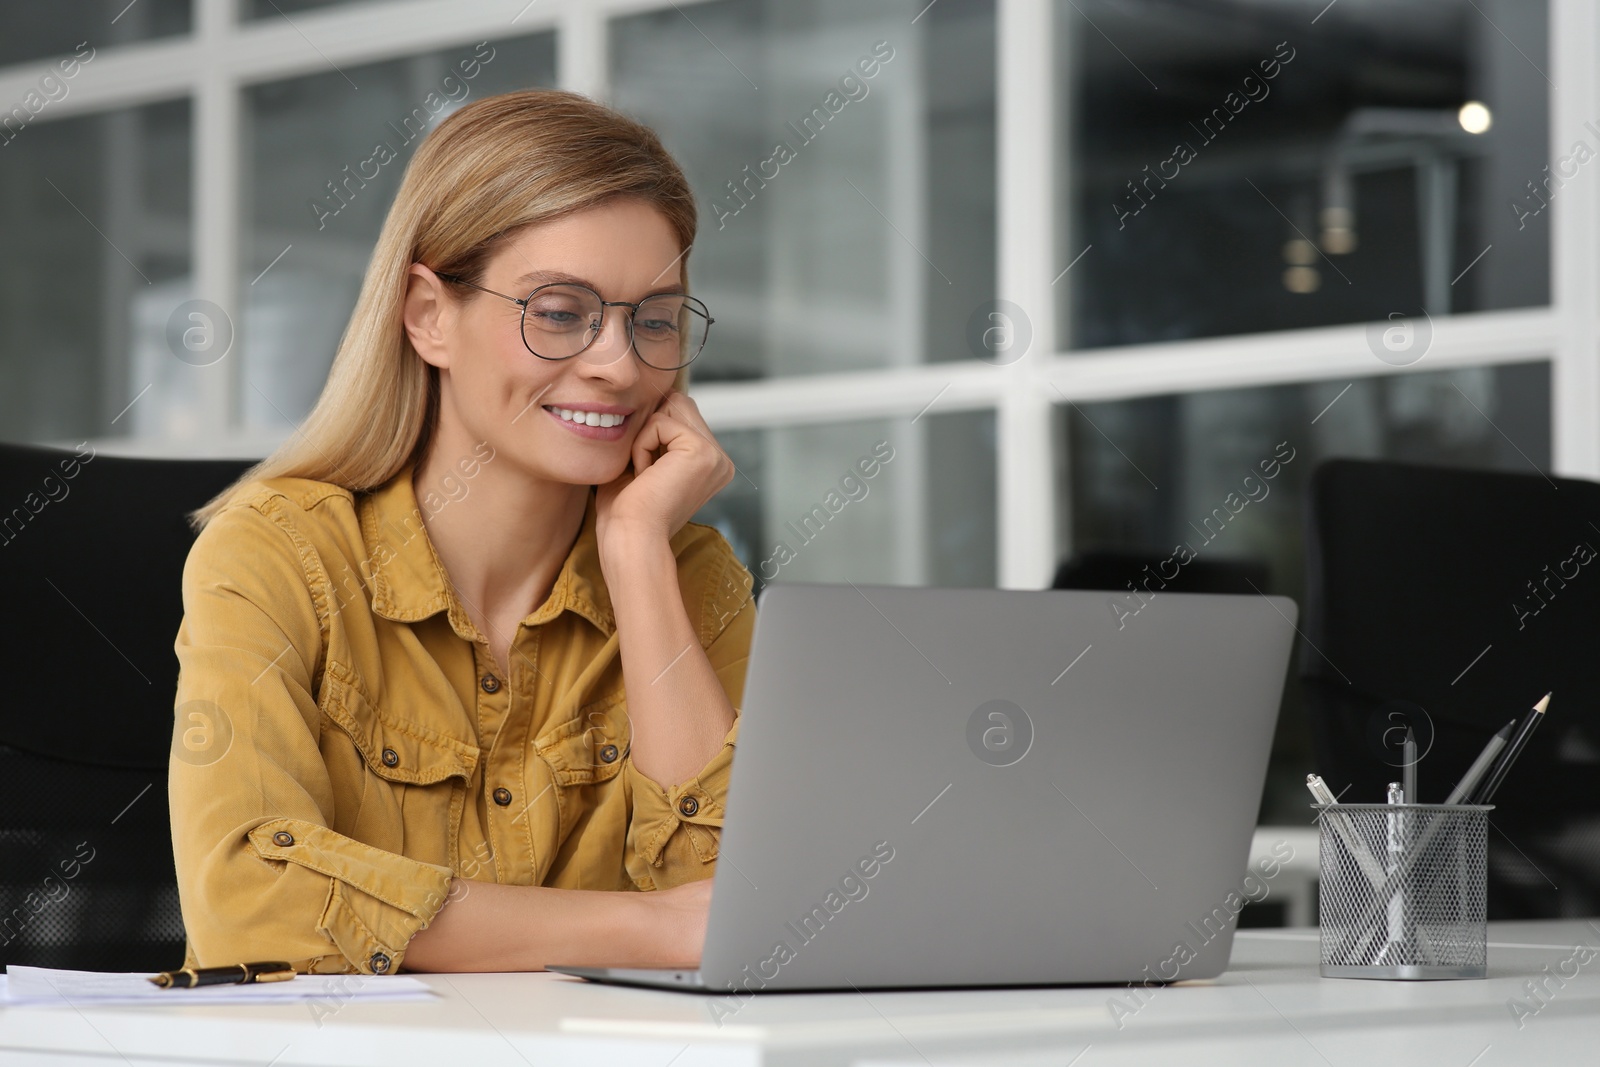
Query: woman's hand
x: 659, y: 494
x: 677, y: 923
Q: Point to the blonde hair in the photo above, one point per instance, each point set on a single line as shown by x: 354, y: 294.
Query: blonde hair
x: 489, y: 169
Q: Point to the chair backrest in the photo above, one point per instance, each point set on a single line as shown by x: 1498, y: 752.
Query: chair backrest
x: 1452, y: 600
x: 91, y: 556
x: 1116, y: 571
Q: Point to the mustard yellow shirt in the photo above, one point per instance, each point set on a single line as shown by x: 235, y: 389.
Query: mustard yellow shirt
x: 344, y: 744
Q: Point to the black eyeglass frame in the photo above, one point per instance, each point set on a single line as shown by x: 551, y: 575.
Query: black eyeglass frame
x: 695, y: 306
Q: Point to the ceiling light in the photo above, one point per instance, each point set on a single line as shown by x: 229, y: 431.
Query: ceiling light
x: 1300, y: 252
x: 1474, y: 117
x: 1302, y: 279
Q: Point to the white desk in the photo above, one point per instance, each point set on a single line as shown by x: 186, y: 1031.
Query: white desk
x: 1270, y: 1009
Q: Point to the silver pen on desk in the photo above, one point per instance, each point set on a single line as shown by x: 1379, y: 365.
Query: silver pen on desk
x: 1320, y: 791
x: 1347, y: 836
x: 1396, y: 847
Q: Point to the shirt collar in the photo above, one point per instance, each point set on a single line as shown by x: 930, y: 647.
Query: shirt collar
x: 409, y: 583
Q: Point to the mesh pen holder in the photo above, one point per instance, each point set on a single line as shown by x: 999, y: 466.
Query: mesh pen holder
x: 1403, y: 890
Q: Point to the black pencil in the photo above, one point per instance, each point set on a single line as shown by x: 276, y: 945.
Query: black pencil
x: 1530, y: 722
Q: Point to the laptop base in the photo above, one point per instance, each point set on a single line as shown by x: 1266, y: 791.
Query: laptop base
x: 646, y: 977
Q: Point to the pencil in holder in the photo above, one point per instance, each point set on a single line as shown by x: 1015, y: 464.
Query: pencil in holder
x: 1403, y: 890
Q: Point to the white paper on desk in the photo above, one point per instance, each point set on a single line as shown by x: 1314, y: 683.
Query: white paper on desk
x: 44, y: 985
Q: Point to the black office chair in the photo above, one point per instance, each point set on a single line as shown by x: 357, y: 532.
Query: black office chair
x: 1451, y: 600
x: 91, y: 556
x: 1114, y: 570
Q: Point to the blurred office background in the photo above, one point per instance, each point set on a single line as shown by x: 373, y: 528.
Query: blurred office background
x: 1358, y: 255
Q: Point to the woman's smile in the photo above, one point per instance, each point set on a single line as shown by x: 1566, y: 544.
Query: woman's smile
x: 598, y: 422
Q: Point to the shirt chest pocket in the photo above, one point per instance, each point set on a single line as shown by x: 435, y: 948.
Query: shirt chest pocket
x: 414, y: 777
x: 589, y: 748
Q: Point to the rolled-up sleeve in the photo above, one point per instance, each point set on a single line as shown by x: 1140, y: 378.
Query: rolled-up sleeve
x: 673, y: 834
x: 261, y: 875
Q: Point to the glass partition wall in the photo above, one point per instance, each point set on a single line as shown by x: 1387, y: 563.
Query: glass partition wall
x: 1051, y: 269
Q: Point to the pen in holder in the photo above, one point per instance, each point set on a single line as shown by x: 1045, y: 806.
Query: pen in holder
x: 1403, y: 890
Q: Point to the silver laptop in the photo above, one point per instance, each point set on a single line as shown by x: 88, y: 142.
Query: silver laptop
x: 983, y: 787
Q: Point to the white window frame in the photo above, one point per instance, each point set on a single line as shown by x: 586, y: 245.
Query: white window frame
x: 213, y: 65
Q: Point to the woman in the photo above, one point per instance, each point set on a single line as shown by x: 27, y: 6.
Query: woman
x: 455, y: 668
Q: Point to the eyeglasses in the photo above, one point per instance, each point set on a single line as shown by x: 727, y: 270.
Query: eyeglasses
x: 560, y: 320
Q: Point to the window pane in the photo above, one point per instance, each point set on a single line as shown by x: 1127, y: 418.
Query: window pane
x: 1146, y: 474
x: 250, y: 10
x: 858, y: 501
x: 84, y: 27
x: 95, y: 213
x: 314, y: 206
x: 1289, y: 175
x: 843, y: 158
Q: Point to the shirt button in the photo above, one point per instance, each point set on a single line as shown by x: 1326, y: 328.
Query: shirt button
x: 688, y: 805
x: 490, y: 684
x: 608, y: 754
x: 391, y: 758
x: 502, y: 796
x: 283, y: 838
x: 380, y: 963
